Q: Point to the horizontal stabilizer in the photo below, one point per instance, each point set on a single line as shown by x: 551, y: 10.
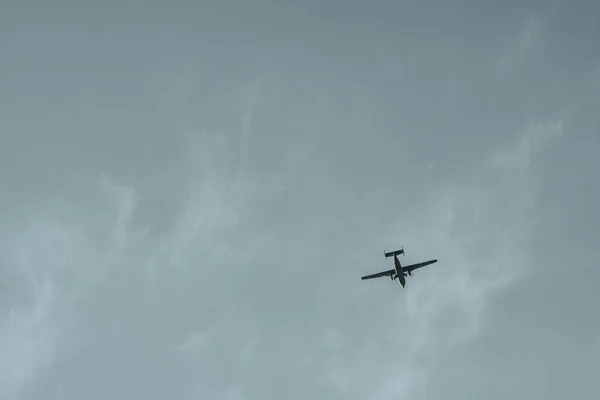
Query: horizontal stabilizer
x: 394, y: 253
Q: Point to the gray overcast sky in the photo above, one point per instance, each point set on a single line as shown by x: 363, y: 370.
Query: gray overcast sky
x: 190, y: 192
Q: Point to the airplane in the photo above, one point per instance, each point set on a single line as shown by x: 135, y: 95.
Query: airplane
x: 399, y: 272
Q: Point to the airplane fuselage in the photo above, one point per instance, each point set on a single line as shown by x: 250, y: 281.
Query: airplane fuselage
x: 399, y: 273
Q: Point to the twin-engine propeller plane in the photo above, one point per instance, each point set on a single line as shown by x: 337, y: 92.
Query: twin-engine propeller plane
x: 399, y: 272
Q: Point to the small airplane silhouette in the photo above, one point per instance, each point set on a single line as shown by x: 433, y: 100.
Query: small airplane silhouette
x: 399, y: 272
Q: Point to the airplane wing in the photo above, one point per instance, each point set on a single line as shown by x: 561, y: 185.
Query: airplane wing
x: 380, y: 274
x: 419, y: 265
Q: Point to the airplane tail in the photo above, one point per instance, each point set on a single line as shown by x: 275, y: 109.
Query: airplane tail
x: 394, y: 253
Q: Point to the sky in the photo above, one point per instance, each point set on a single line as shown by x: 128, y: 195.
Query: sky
x: 191, y: 192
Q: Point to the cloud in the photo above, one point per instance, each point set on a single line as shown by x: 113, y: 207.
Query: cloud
x: 519, y: 52
x: 125, y: 200
x: 229, y: 291
x: 55, y: 258
x: 27, y: 340
x: 479, y: 228
x: 246, y: 284
x: 28, y: 332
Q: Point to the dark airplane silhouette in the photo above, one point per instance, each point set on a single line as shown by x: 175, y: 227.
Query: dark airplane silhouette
x: 399, y: 272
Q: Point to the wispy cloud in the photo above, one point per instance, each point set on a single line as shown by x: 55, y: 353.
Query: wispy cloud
x: 521, y: 50
x: 28, y: 332
x: 479, y: 228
